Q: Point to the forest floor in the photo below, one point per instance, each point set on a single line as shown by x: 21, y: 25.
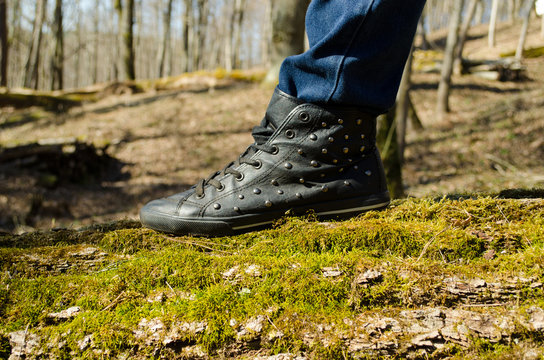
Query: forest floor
x: 435, y: 276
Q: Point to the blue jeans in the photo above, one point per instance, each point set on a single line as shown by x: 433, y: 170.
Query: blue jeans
x: 357, y: 53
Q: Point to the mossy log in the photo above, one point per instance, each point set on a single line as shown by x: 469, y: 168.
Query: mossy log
x: 428, y: 278
x: 26, y: 99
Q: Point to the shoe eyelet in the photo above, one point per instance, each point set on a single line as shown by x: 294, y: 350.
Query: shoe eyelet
x: 290, y: 134
x: 199, y: 197
x: 304, y: 116
x: 259, y: 165
x: 221, y: 188
x: 275, y: 150
x: 240, y: 177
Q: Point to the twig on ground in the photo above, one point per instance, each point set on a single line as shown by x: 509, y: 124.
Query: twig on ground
x: 430, y: 242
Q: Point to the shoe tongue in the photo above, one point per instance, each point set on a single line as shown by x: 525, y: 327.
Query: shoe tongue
x: 281, y: 104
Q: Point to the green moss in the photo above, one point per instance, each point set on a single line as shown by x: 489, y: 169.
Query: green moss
x: 531, y: 53
x: 280, y: 273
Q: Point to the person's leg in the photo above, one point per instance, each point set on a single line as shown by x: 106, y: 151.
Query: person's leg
x: 357, y: 53
x: 315, y: 148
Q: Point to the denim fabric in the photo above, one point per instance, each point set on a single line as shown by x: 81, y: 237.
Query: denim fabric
x: 357, y: 53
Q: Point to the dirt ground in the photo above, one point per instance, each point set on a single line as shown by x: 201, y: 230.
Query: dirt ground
x: 165, y: 142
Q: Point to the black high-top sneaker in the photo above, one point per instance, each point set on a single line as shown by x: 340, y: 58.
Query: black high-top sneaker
x: 305, y: 158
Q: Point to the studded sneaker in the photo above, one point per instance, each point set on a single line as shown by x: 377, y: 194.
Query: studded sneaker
x: 305, y: 158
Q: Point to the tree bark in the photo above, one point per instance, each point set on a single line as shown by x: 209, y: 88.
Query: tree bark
x: 165, y: 44
x: 4, y: 48
x: 447, y: 65
x: 33, y: 61
x: 267, y: 33
x: 493, y: 23
x: 480, y: 12
x: 464, y: 32
x: 203, y: 12
x: 287, y: 33
x: 389, y: 149
x: 57, y: 62
x: 128, y: 40
x: 524, y: 29
x: 422, y: 32
x: 237, y: 34
x: 403, y: 106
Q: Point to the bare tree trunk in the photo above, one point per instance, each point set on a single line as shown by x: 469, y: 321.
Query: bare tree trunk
x: 96, y: 44
x: 493, y: 23
x: 165, y: 44
x: 203, y: 13
x: 57, y: 62
x: 480, y: 12
x: 229, y: 31
x: 389, y: 148
x: 267, y: 32
x: 447, y: 65
x: 237, y: 34
x: 4, y: 43
x: 464, y: 32
x: 77, y: 70
x: 524, y: 29
x: 128, y: 40
x: 403, y: 106
x: 422, y: 32
x: 287, y: 33
x: 542, y: 26
x: 187, y: 35
x: 33, y: 60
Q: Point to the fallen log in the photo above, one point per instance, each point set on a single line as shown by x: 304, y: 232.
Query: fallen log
x: 62, y: 160
x: 499, y: 70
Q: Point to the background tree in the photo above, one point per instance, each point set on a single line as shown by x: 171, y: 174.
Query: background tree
x: 287, y: 32
x: 493, y: 22
x: 165, y: 43
x: 523, y: 36
x: 128, y: 40
x: 3, y: 43
x: 33, y: 59
x: 443, y: 105
x: 57, y: 61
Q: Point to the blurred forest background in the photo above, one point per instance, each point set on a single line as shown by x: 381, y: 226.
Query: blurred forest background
x: 106, y: 104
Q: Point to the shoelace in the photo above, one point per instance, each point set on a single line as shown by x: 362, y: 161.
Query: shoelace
x: 261, y: 134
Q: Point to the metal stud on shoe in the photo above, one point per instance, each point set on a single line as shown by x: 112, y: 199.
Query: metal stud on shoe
x: 340, y: 121
x: 257, y: 191
x: 216, y: 206
x: 268, y: 203
x: 274, y: 182
x: 300, y: 152
x: 241, y: 197
x: 345, y: 150
x: 298, y: 195
x: 368, y: 173
x: 314, y: 163
x: 324, y: 188
x: 288, y: 165
x: 324, y: 151
x: 313, y: 137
